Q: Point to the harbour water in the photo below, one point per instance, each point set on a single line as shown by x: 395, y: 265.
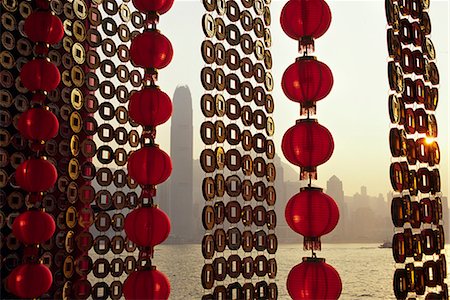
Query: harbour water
x: 366, y: 270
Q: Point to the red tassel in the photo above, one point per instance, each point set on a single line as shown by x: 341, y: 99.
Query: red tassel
x: 312, y: 243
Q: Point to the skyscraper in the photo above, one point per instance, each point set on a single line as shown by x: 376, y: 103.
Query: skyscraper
x: 335, y: 190
x: 180, y: 198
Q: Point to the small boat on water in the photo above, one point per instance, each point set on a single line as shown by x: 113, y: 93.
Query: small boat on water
x: 386, y: 244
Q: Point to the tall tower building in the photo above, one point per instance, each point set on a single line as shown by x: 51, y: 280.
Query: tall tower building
x: 336, y: 191
x: 180, y: 192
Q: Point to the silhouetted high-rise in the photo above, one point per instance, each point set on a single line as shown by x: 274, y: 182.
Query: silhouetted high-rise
x: 336, y: 191
x: 181, y: 181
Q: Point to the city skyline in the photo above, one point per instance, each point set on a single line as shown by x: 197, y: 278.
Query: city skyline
x: 355, y: 111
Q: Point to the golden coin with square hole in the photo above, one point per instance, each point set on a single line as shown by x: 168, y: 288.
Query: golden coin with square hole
x: 431, y: 73
x: 233, y: 186
x: 268, y: 82
x: 74, y: 169
x: 271, y: 172
x: 220, y: 105
x: 267, y: 16
x: 246, y: 20
x: 71, y: 217
x: 68, y: 266
x: 8, y: 21
x: 395, y: 75
x: 258, y: 6
x: 429, y: 49
x: 76, y: 122
x: 7, y: 60
x: 220, y: 158
x: 219, y: 75
x: 95, y: 16
x: 208, y: 248
x: 88, y: 148
x: 8, y: 40
x: 233, y: 11
x: 267, y: 38
x: 219, y: 181
x: 270, y: 127
x: 76, y: 99
x: 77, y: 75
x: 432, y: 126
x: 220, y: 131
x: 394, y: 45
x: 72, y: 192
x: 247, y: 44
x: 10, y: 5
x: 396, y: 108
x: 221, y: 7
x: 94, y: 37
x: 270, y: 149
x: 208, y: 217
x: 133, y: 138
x: 3, y: 178
x: 210, y: 5
x: 75, y: 145
x: 79, y: 30
x: 80, y: 9
x: 208, y: 78
x: 25, y: 9
x: 125, y: 13
x: 247, y: 140
x: 208, y: 188
x: 208, y: 25
x: 247, y: 3
x: 425, y: 23
x: 6, y: 98
x: 93, y: 59
x: 233, y: 159
x: 259, y: 50
x: 208, y: 52
x: 208, y: 160
x: 247, y: 190
x: 247, y: 165
x: 208, y: 105
x: 78, y: 53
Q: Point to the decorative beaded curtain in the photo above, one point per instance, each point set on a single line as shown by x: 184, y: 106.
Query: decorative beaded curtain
x: 239, y: 244
x: 418, y: 240
x: 90, y: 151
x: 62, y: 251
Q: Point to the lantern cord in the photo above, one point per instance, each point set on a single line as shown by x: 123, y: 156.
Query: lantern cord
x: 313, y: 254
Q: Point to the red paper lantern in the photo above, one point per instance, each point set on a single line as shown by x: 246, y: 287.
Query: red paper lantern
x: 307, y: 80
x: 29, y: 280
x: 40, y: 74
x: 314, y: 279
x: 312, y: 213
x: 44, y: 27
x: 150, y: 107
x: 305, y: 18
x: 146, y: 284
x: 147, y: 226
x: 149, y: 165
x: 36, y: 175
x: 33, y: 227
x: 160, y: 6
x: 38, y: 124
x: 307, y: 144
x: 151, y: 49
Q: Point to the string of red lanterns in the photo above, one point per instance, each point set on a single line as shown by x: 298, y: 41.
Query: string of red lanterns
x: 307, y: 145
x: 36, y: 175
x: 147, y: 225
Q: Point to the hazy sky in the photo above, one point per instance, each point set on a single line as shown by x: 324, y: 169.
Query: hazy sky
x: 355, y: 111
